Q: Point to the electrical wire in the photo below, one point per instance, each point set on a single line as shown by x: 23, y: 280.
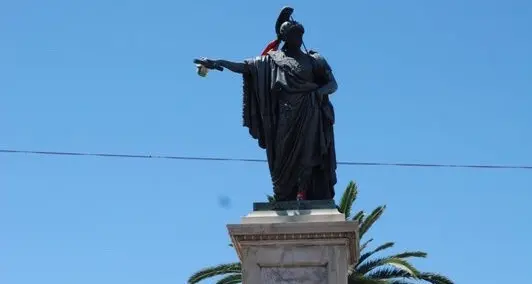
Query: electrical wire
x: 168, y: 157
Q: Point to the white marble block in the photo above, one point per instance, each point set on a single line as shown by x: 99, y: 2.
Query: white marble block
x: 295, y: 246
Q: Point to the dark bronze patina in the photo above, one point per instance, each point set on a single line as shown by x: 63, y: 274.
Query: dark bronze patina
x: 287, y: 109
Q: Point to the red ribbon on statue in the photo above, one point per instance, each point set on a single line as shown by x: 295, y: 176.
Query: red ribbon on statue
x: 301, y: 195
x: 273, y: 45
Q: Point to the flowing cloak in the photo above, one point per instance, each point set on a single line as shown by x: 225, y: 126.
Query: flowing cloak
x: 294, y: 125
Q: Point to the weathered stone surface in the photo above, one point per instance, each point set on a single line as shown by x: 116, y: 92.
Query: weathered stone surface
x: 295, y: 246
x: 290, y: 275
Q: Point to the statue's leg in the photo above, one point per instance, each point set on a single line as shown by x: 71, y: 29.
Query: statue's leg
x: 319, y: 187
x: 285, y: 194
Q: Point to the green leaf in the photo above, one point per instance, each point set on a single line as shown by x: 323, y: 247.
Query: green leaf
x: 360, y: 279
x: 210, y: 272
x: 435, y: 278
x: 364, y: 245
x: 366, y: 255
x: 384, y: 246
x: 398, y: 263
x: 365, y: 267
x: 371, y: 219
x: 387, y: 273
x: 348, y: 198
x: 408, y: 254
x: 359, y: 217
x: 231, y: 279
x: 403, y: 265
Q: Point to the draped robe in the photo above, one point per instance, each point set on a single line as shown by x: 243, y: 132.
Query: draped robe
x: 292, y: 123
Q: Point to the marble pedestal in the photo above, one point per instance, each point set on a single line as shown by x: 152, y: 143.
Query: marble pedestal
x: 310, y: 246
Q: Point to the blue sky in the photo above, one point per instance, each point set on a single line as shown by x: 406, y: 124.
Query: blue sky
x: 419, y: 81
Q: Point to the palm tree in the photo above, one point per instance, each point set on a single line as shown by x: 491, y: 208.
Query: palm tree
x: 393, y: 269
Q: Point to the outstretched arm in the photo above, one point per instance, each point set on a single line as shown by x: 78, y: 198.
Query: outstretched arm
x: 237, y: 67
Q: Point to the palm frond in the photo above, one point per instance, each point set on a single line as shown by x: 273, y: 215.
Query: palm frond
x: 214, y: 271
x: 435, y: 278
x: 408, y: 254
x: 231, y: 279
x: 398, y: 263
x: 360, y: 279
x: 366, y: 255
x: 365, y: 244
x: 384, y: 246
x: 404, y: 265
x: 371, y: 219
x: 359, y: 217
x: 363, y: 268
x: 348, y: 198
x: 387, y: 273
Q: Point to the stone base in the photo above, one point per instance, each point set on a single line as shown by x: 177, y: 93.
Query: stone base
x: 313, y: 246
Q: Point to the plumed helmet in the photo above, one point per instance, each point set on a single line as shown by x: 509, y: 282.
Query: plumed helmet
x: 289, y: 26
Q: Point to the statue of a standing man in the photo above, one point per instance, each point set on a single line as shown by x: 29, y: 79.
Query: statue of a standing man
x: 287, y: 109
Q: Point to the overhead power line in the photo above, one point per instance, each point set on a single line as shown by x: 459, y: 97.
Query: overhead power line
x: 169, y: 157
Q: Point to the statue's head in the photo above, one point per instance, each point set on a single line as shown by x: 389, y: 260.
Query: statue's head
x: 291, y: 33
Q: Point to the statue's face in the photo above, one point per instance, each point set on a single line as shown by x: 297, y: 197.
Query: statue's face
x: 294, y: 39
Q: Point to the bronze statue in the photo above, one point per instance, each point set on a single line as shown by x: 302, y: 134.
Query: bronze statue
x: 287, y: 109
